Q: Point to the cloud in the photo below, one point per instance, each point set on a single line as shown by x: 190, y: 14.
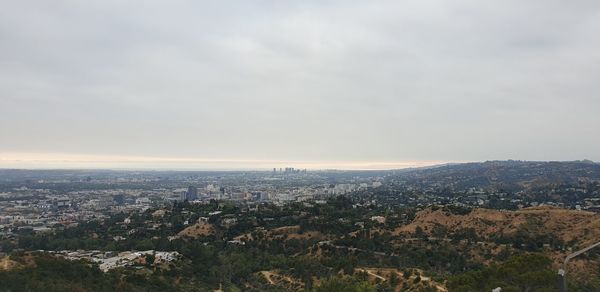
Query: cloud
x: 310, y: 80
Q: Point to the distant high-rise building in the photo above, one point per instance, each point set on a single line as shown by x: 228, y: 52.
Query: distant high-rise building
x: 119, y: 199
x: 264, y: 196
x: 192, y: 193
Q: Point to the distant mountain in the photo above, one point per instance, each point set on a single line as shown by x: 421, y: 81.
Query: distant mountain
x: 508, y: 175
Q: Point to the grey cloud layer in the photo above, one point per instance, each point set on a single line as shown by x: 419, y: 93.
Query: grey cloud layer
x: 336, y: 80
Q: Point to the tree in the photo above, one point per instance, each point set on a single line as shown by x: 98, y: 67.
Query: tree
x: 150, y: 259
x: 525, y: 272
x: 344, y: 284
x: 419, y: 233
x: 394, y: 279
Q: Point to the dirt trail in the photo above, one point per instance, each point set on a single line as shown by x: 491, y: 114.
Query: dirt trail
x: 372, y: 274
x: 268, y: 275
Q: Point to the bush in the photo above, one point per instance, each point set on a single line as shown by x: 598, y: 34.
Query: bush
x: 344, y: 284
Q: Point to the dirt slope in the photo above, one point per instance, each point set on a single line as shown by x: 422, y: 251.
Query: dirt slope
x: 199, y: 229
x: 568, y: 225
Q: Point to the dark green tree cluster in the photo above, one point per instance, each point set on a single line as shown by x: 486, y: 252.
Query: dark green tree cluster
x: 344, y: 284
x: 524, y: 272
x: 41, y: 272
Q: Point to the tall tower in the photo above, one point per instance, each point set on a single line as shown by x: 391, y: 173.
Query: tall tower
x: 192, y: 193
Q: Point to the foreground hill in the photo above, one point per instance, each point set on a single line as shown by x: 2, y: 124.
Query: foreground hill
x: 552, y: 231
x: 569, y: 226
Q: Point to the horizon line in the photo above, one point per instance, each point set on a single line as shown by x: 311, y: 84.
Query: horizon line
x: 64, y: 161
x: 47, y: 161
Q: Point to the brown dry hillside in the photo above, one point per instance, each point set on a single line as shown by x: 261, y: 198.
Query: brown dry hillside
x: 403, y: 281
x: 199, y: 229
x: 568, y: 225
x: 6, y: 264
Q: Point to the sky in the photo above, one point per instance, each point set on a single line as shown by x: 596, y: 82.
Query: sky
x: 318, y: 84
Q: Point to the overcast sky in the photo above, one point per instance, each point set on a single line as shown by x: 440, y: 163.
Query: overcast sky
x: 332, y: 82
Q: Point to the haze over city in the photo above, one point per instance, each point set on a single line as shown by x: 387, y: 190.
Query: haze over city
x: 306, y: 146
x: 321, y: 84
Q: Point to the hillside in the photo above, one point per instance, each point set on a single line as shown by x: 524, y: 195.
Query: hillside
x: 579, y: 227
x: 506, y: 175
x: 201, y: 228
x: 552, y: 231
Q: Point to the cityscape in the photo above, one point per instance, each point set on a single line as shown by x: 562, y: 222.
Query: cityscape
x: 147, y: 221
x: 304, y: 146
